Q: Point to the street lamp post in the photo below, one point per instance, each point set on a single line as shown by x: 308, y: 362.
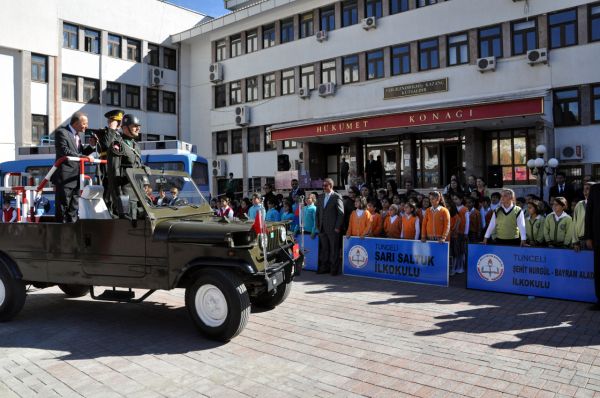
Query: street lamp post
x: 540, y: 168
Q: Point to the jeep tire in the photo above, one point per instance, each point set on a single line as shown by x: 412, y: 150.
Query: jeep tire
x: 219, y: 304
x: 74, y: 290
x: 273, y: 300
x: 12, y: 294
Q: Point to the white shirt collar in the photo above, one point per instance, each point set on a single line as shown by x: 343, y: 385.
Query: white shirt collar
x: 562, y: 215
x: 72, y: 130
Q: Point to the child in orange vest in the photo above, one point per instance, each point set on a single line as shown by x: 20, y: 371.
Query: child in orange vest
x: 460, y: 233
x: 436, y: 223
x: 376, y: 220
x: 393, y: 223
x: 411, y: 225
x: 360, y: 219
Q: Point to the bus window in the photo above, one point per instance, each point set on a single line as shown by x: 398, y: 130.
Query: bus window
x: 167, y: 166
x: 38, y: 173
x: 200, y: 173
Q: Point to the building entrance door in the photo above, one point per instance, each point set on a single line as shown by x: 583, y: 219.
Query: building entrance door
x: 438, y: 159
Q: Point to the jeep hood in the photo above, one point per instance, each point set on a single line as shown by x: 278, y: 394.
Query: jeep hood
x: 192, y: 231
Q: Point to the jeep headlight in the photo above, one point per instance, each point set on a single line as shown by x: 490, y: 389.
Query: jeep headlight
x: 282, y: 234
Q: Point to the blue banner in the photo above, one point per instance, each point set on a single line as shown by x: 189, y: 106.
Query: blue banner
x: 397, y: 259
x: 310, y: 250
x: 543, y: 272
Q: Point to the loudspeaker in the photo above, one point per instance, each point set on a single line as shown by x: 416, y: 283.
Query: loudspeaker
x: 283, y: 163
x: 494, y: 177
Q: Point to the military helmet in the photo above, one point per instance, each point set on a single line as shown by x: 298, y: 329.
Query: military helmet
x: 145, y: 181
x: 131, y: 120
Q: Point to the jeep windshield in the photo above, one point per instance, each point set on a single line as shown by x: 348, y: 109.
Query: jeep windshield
x: 167, y: 190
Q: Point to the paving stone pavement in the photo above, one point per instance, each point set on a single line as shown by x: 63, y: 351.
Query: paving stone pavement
x: 334, y: 336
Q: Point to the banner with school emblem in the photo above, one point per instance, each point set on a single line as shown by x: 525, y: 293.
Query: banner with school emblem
x: 310, y: 248
x: 554, y: 273
x: 397, y: 259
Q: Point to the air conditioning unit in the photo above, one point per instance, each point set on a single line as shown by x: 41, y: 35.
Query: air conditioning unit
x: 216, y: 72
x: 303, y: 92
x: 537, y: 56
x: 242, y: 115
x: 327, y: 89
x: 219, y: 168
x: 321, y: 36
x: 156, y: 77
x: 572, y: 152
x: 369, y: 23
x: 486, y: 64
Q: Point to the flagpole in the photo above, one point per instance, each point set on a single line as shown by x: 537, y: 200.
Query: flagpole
x: 301, y: 221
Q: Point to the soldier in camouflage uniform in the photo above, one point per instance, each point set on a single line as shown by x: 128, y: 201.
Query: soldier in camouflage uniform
x: 124, y: 154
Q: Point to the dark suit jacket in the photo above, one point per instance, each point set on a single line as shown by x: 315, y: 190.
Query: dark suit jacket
x: 292, y: 198
x: 64, y: 143
x: 592, y: 216
x: 568, y: 193
x: 330, y: 217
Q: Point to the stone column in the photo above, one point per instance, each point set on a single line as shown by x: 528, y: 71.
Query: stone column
x: 542, y: 31
x: 582, y: 24
x: 473, y: 46
x: 443, y: 54
x: 356, y: 160
x: 414, y: 57
x: 506, y: 40
x: 474, y: 155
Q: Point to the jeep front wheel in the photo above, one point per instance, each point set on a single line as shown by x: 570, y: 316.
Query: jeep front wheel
x: 218, y: 303
x: 12, y: 295
x: 74, y: 290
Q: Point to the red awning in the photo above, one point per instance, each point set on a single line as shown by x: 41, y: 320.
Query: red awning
x: 467, y: 113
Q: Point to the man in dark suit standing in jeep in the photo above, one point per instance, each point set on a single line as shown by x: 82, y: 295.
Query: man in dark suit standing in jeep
x: 330, y: 219
x: 68, y: 142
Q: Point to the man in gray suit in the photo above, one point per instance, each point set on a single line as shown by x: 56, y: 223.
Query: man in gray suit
x: 330, y: 219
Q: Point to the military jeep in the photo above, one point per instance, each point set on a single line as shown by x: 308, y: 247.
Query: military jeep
x: 221, y: 264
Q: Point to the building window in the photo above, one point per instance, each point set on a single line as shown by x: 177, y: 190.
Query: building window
x: 251, y: 41
x: 307, y: 77
x: 268, y: 36
x: 328, y: 18
x: 307, y: 25
x: 114, y: 46
x: 39, y: 128
x: 524, y: 36
x: 70, y: 36
x: 458, y: 49
x: 375, y: 65
x: 287, y: 30
x: 374, y: 8
x: 510, y: 149
x: 38, y: 68
x: 269, y: 145
x: 397, y: 6
x: 490, y: 42
x: 169, y: 58
x: 350, y: 69
x: 134, y: 49
x: 153, y: 54
x: 328, y: 72
x: 349, y: 13
x: 594, y: 18
x: 91, y: 91
x: 236, y: 141
x: 113, y: 94
x: 562, y: 29
x: 152, y: 99
x: 400, y: 59
x: 288, y: 82
x: 566, y: 107
x: 220, y: 96
x: 287, y: 144
x: 220, y: 50
x: 596, y: 104
x: 251, y: 89
x: 92, y: 41
x: 235, y: 93
x: 429, y: 54
x: 235, y: 45
x: 222, y: 143
x: 254, y: 139
x: 69, y: 88
x: 132, y: 96
x: 169, y: 102
x: 269, y: 85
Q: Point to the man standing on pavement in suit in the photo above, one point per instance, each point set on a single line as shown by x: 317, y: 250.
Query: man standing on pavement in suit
x: 561, y: 188
x: 592, y: 235
x: 344, y: 171
x: 330, y: 219
x: 68, y: 142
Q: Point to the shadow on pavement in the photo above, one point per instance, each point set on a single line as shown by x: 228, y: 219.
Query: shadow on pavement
x: 548, y: 322
x: 84, y: 329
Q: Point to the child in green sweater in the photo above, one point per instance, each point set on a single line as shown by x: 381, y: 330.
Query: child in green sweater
x: 534, y: 225
x: 558, y: 226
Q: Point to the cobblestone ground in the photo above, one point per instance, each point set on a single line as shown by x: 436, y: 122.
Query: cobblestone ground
x: 334, y: 336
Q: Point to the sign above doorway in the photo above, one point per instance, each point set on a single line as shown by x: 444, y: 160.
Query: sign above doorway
x: 419, y: 88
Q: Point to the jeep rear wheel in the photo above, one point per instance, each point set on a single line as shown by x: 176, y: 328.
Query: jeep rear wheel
x: 219, y: 304
x: 12, y: 295
x: 74, y: 290
x: 273, y: 300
